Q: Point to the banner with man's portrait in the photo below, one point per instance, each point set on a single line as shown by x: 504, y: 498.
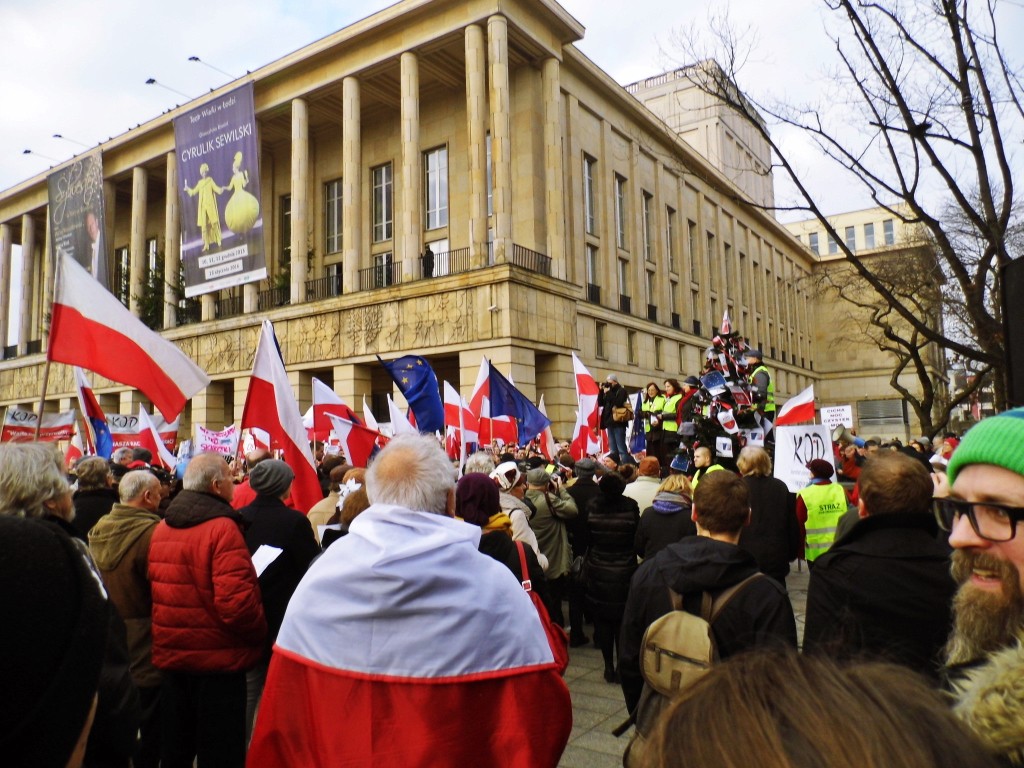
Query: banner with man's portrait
x: 219, y: 190
x: 76, y: 214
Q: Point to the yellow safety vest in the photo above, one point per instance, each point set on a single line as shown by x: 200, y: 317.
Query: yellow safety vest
x: 653, y: 406
x: 668, y: 421
x: 825, y: 505
x: 769, y: 400
x: 703, y: 471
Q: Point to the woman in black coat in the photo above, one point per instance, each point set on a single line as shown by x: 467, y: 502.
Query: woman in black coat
x: 612, y: 521
x: 773, y: 536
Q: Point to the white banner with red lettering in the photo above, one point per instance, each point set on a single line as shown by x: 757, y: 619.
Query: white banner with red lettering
x: 124, y: 430
x: 20, y: 425
x: 225, y: 441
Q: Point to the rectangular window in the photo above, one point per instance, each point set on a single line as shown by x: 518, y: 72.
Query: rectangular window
x: 888, y: 232
x: 122, y: 274
x: 623, y: 277
x: 286, y: 230
x: 869, y: 235
x: 851, y: 238
x: 833, y: 247
x: 631, y: 347
x: 599, y: 339
x: 648, y: 237
x: 384, y: 270
x: 812, y: 242
x: 151, y: 256
x: 657, y: 354
x: 592, y: 276
x: 652, y: 297
x: 670, y: 237
x: 691, y: 244
x: 620, y: 211
x: 490, y: 185
x: 435, y: 187
x: 383, y: 203
x: 332, y: 216
x: 673, y: 296
x: 712, y: 263
x: 589, y: 201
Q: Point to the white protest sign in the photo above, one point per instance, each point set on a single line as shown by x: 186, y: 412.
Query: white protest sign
x: 723, y: 447
x: 834, y: 415
x: 753, y: 436
x: 795, y: 447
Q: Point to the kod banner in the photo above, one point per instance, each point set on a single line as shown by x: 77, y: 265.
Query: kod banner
x: 75, y: 196
x: 124, y: 430
x: 795, y: 448
x: 219, y: 189
x: 20, y: 426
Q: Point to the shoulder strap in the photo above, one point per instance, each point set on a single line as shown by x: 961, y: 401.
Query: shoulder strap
x: 722, y: 599
x: 527, y: 584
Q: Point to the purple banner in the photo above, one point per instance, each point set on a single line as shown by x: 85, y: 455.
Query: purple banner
x: 219, y: 183
x: 76, y: 214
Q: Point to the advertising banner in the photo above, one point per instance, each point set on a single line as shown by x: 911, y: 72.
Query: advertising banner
x: 124, y: 430
x: 795, y: 447
x: 76, y: 214
x: 20, y: 426
x: 225, y: 441
x: 219, y: 189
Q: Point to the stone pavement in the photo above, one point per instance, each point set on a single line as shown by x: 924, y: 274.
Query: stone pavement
x: 597, y: 706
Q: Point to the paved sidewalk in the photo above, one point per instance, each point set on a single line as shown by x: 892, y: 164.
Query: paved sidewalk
x: 597, y: 706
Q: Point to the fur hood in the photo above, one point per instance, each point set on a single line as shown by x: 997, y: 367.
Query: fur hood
x: 990, y: 699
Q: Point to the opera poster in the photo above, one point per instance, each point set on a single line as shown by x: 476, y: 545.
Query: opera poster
x: 219, y: 191
x: 76, y: 214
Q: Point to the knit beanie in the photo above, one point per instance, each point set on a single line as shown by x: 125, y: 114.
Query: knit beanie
x: 271, y: 477
x: 52, y: 644
x: 997, y: 440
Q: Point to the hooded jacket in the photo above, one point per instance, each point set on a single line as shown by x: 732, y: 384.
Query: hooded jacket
x: 519, y: 514
x: 119, y: 542
x: 207, y: 610
x: 759, y: 615
x: 990, y: 700
x: 665, y: 522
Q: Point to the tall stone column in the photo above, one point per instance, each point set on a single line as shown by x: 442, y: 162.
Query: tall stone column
x: 137, y: 249
x: 353, y: 382
x: 39, y: 321
x: 109, y: 212
x: 553, y: 173
x: 28, y: 292
x: 300, y: 197
x: 410, y: 216
x: 6, y: 245
x: 476, y: 118
x: 172, y: 243
x: 501, y: 146
x: 351, y: 186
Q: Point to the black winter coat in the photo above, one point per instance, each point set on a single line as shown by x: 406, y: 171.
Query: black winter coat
x: 582, y: 491
x: 499, y: 545
x: 270, y: 522
x: 883, y: 590
x: 760, y: 615
x: 665, y: 522
x: 773, y: 536
x: 608, y: 399
x: 611, y: 562
x: 90, y: 506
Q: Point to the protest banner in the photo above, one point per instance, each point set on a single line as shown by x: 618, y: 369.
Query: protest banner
x: 834, y: 415
x: 20, y: 426
x: 124, y: 430
x: 795, y: 447
x: 225, y: 441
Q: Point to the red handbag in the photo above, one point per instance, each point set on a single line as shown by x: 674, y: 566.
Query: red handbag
x: 558, y: 639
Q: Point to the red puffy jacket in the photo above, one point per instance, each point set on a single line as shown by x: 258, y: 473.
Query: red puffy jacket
x: 207, y: 609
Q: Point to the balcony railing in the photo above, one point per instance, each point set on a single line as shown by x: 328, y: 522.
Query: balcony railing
x: 531, y: 260
x: 593, y: 293
x: 380, y: 276
x: 625, y: 304
x: 230, y: 306
x: 188, y: 311
x: 9, y: 352
x: 445, y: 263
x: 273, y: 297
x: 677, y: 322
x: 326, y: 287
x: 652, y: 313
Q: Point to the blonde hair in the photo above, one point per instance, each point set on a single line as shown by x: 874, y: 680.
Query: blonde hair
x: 676, y: 484
x: 754, y: 460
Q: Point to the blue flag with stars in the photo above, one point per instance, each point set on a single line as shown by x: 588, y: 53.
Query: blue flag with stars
x: 418, y: 383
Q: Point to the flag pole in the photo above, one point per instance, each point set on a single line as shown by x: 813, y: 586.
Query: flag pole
x: 46, y: 367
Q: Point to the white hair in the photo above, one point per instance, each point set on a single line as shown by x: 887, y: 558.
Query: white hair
x: 135, y: 483
x: 479, y: 463
x: 202, y: 472
x: 30, y: 475
x: 412, y: 472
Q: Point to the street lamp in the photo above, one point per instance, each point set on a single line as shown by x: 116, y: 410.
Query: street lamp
x: 37, y: 154
x: 152, y: 81
x: 73, y: 141
x: 215, y: 69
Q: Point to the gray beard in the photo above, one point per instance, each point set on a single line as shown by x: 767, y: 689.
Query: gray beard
x: 983, y: 622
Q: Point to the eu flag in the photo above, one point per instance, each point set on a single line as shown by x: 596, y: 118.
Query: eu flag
x: 418, y: 383
x: 506, y: 400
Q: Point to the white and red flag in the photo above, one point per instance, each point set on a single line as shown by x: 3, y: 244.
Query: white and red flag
x: 500, y: 427
x: 91, y: 328
x: 325, y: 401
x: 798, y: 408
x: 75, y: 449
x: 270, y: 405
x: 400, y: 425
x: 547, y: 439
x: 461, y: 425
x: 586, y: 434
x: 726, y: 328
x: 97, y: 421
x: 358, y: 442
x: 150, y: 439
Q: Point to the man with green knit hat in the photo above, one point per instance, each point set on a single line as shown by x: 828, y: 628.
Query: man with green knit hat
x: 985, y: 656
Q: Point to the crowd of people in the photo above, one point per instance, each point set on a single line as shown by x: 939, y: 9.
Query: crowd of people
x: 155, y: 621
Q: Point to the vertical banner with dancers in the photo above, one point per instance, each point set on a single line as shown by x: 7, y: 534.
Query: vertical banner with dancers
x: 76, y: 214
x: 219, y: 188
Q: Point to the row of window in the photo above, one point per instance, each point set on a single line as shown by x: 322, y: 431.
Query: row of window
x: 850, y: 237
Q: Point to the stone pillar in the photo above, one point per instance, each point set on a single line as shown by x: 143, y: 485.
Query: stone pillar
x: 137, y: 249
x: 352, y: 383
x: 172, y: 244
x: 476, y: 118
x: 208, y: 306
x: 501, y: 147
x: 300, y: 194
x: 351, y: 186
x: 109, y: 211
x: 40, y: 321
x: 208, y: 407
x: 554, y: 198
x: 129, y: 401
x: 410, y: 215
x: 6, y: 244
x: 302, y: 387
x: 28, y: 268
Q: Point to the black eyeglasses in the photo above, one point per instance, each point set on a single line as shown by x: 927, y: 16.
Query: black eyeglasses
x: 990, y: 521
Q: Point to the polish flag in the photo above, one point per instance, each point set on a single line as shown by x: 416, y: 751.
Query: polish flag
x: 586, y: 434
x: 726, y: 328
x: 547, y: 439
x: 356, y: 440
x: 325, y: 401
x: 93, y: 329
x: 94, y: 416
x: 798, y: 408
x: 270, y: 405
x: 150, y: 439
x: 458, y: 415
x: 75, y: 450
x: 368, y: 417
x: 400, y: 425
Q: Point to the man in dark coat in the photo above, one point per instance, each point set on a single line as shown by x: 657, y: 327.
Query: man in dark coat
x: 885, y: 589
x: 758, y: 615
x: 582, y: 490
x: 271, y: 524
x: 613, y: 395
